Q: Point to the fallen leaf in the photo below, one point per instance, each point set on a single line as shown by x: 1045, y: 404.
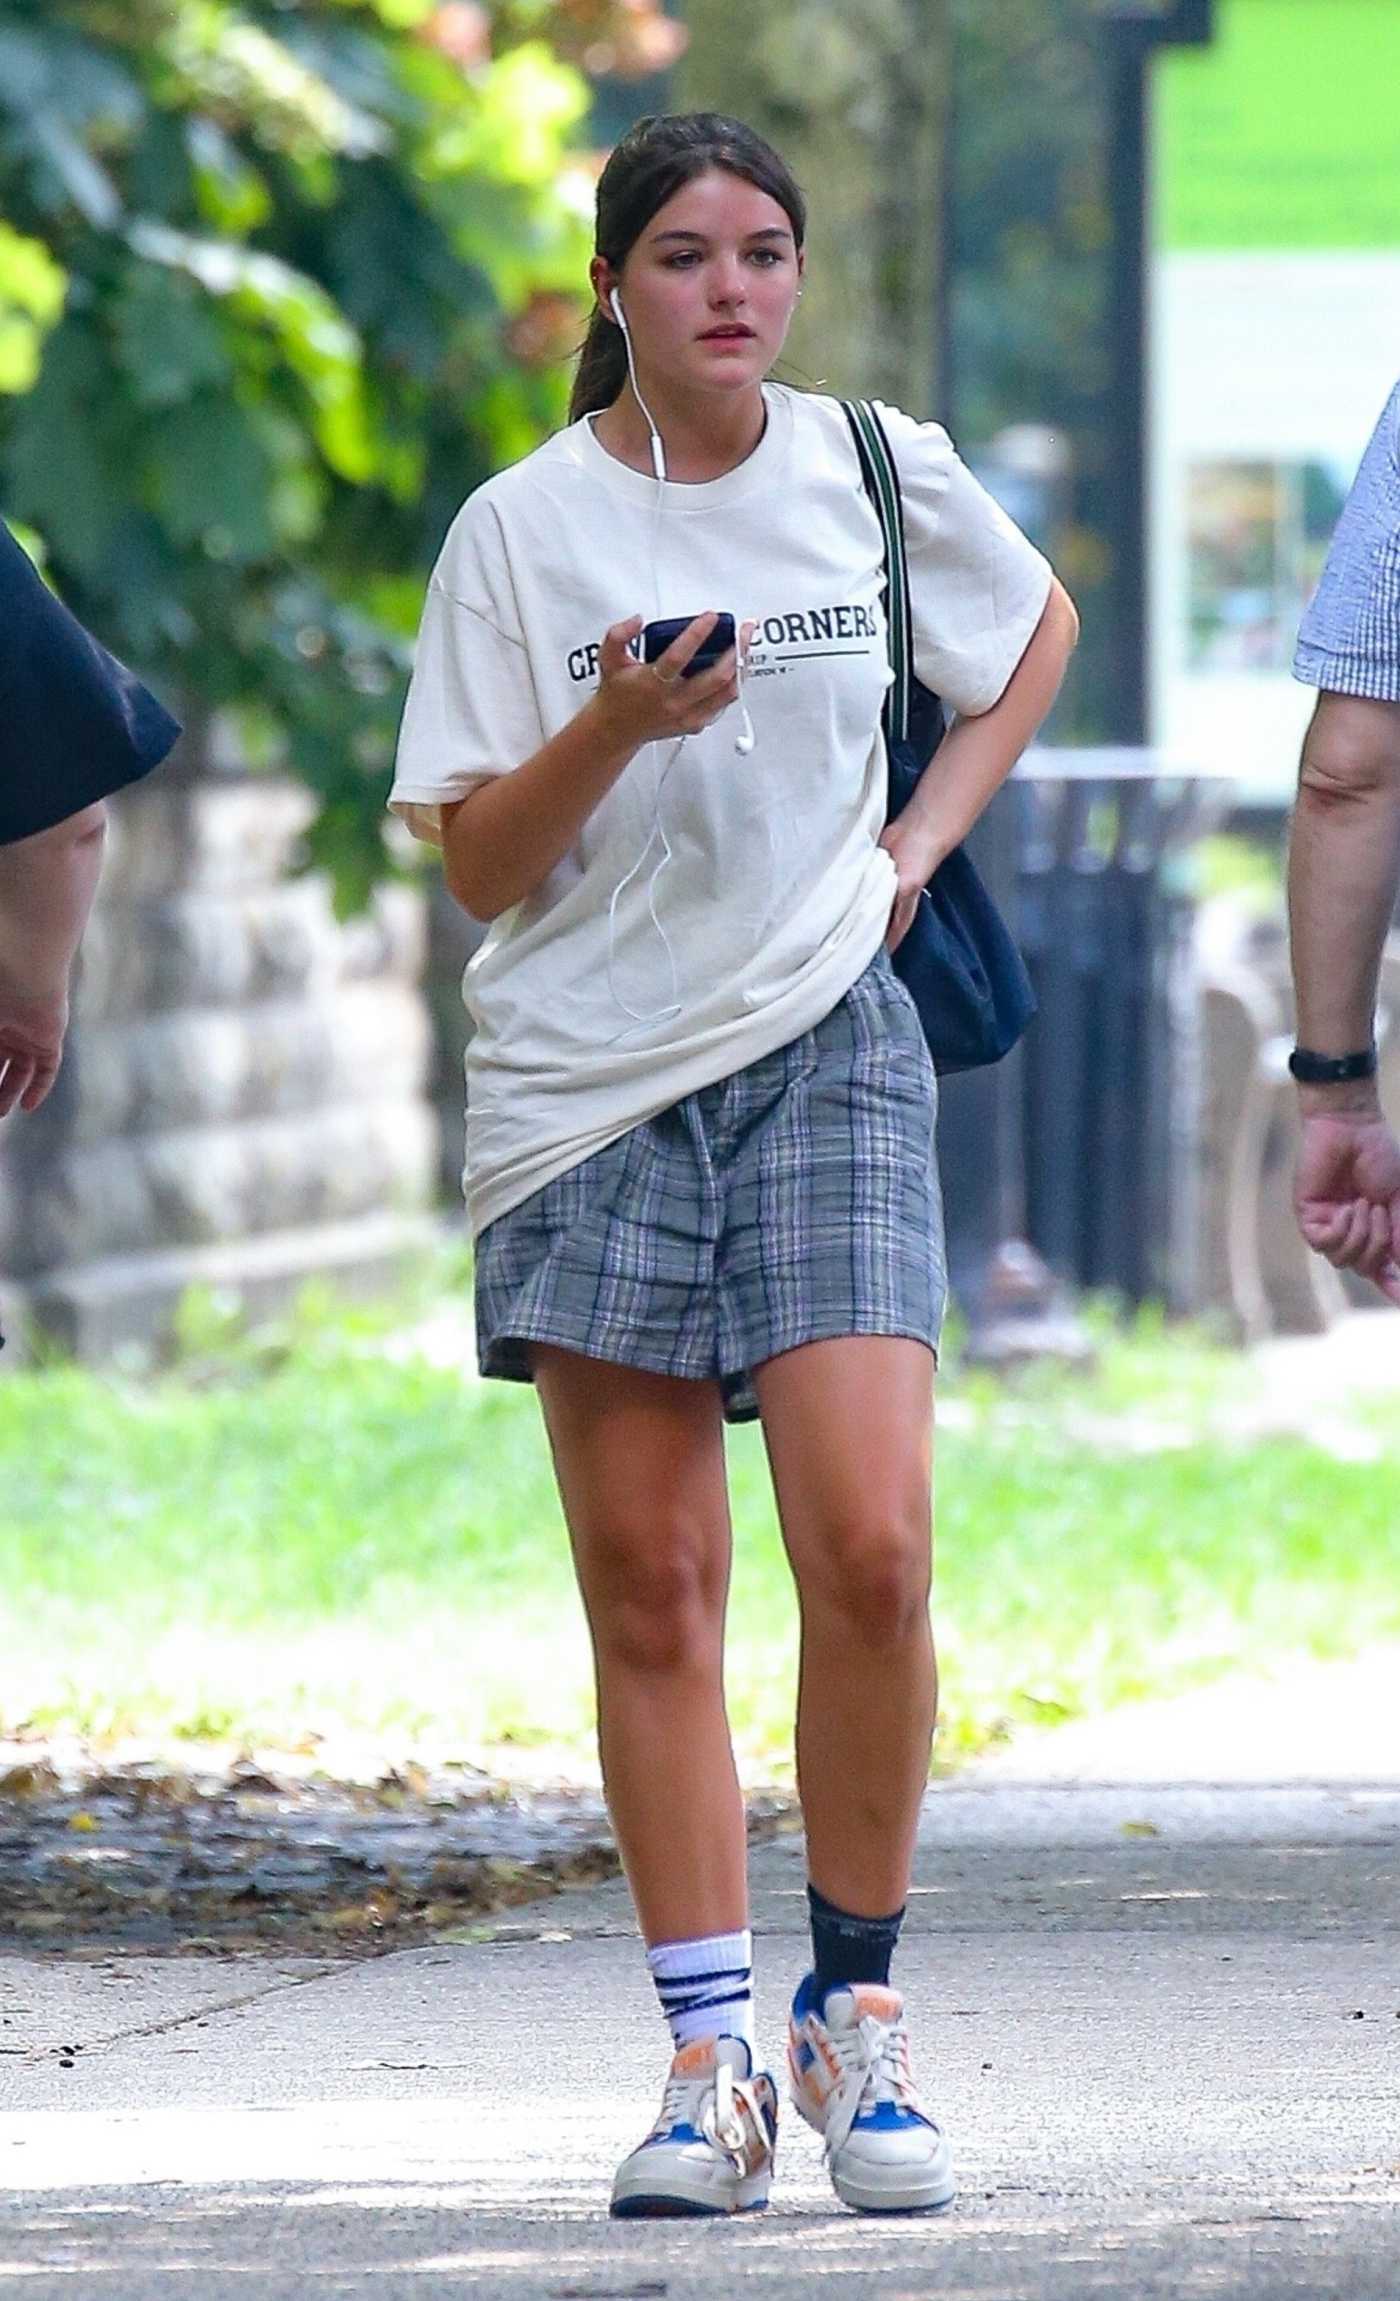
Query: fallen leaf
x: 39, y: 1780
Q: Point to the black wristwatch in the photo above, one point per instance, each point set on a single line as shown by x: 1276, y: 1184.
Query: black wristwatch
x: 1331, y: 1070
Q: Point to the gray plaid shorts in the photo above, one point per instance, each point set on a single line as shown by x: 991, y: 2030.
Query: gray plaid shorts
x: 794, y: 1201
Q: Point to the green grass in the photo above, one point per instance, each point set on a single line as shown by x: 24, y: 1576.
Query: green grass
x: 298, y: 1535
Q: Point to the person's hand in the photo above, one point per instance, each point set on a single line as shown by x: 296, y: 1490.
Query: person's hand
x: 31, y: 1048
x: 654, y: 702
x: 914, y: 867
x: 1346, y: 1193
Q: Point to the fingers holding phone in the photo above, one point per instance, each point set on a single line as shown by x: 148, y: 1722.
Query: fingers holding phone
x: 689, y: 677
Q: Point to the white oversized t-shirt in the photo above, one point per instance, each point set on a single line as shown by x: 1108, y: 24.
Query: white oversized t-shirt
x: 776, y: 894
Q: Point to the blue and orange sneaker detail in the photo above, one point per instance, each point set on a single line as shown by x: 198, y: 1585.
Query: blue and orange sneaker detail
x: 711, y: 2148
x: 848, y: 2062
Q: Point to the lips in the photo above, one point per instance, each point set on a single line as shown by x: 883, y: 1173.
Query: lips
x: 727, y: 336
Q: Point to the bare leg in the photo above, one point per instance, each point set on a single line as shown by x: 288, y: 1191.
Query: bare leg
x: 640, y: 1463
x: 849, y: 1430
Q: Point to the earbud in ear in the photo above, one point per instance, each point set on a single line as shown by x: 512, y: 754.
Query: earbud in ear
x: 615, y: 301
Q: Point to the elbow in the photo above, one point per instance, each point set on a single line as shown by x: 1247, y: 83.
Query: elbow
x: 89, y: 829
x: 472, y: 865
x: 76, y: 834
x: 1351, y: 753
x: 1063, y: 616
x: 461, y: 869
x: 471, y: 896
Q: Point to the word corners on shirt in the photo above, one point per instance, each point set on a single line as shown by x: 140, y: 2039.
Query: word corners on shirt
x: 804, y: 635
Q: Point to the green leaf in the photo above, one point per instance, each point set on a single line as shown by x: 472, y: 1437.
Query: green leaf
x: 76, y: 174
x: 66, y: 473
x: 210, y: 477
x: 511, y: 122
x: 318, y: 344
x: 232, y: 196
x: 168, y: 340
x: 32, y: 287
x: 50, y: 69
x: 223, y: 63
x: 399, y: 15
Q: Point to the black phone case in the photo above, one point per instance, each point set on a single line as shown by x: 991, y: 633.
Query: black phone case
x: 658, y: 636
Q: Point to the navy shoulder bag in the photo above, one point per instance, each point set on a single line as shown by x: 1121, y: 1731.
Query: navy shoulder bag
x: 958, y: 961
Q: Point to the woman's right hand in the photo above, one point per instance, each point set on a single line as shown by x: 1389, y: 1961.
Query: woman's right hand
x: 654, y: 702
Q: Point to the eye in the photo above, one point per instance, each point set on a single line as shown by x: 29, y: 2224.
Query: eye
x: 766, y: 257
x: 682, y: 260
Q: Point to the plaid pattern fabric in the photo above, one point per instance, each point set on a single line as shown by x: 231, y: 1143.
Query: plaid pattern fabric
x: 1349, y: 643
x: 794, y: 1201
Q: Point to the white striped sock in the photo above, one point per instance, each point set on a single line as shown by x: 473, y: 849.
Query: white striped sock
x: 705, y: 1986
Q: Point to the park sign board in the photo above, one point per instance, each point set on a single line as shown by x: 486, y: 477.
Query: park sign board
x: 1275, y: 332
x: 1285, y: 133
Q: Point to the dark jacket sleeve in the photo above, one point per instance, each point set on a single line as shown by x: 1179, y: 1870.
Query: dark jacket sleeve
x: 74, y: 724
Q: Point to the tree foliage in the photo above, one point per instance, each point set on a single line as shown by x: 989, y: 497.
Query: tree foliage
x: 1029, y: 269
x: 280, y: 281
x: 831, y: 83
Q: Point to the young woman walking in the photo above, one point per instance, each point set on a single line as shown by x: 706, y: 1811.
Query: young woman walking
x: 700, y: 1110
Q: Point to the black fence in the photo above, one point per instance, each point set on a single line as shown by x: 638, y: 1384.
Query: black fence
x: 1086, y: 1143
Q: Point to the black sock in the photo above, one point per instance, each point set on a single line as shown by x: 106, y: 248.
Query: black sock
x: 847, y: 1948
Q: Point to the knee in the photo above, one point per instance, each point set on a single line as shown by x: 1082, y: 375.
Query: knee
x: 660, y: 1607
x: 878, y: 1578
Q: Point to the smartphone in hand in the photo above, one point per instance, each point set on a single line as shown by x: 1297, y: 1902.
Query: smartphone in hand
x: 657, y: 637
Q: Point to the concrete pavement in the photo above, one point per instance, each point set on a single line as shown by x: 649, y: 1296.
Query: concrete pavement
x: 1162, y: 2023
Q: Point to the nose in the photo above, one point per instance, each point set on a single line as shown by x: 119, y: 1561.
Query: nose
x: 727, y: 284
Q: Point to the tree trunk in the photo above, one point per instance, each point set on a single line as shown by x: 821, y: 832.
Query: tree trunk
x: 854, y: 94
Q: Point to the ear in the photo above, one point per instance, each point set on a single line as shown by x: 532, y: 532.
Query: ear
x: 602, y: 279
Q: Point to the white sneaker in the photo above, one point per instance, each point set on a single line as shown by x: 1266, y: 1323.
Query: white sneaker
x: 850, y: 2079
x: 711, y: 2148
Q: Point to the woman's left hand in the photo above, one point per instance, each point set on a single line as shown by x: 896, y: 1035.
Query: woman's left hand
x: 914, y: 868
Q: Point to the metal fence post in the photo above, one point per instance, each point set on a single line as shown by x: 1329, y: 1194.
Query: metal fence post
x: 1111, y: 1103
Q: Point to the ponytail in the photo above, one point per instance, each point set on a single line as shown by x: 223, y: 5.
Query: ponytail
x: 602, y: 368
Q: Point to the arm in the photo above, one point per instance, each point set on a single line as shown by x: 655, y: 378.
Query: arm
x: 1343, y: 875
x: 47, y: 884
x: 975, y: 758
x: 504, y: 838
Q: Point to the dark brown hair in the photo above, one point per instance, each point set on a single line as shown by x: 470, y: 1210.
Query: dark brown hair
x: 651, y: 164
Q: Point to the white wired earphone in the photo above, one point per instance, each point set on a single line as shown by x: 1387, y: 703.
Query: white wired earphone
x: 743, y: 741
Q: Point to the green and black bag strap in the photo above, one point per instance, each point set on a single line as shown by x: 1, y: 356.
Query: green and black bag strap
x: 877, y: 469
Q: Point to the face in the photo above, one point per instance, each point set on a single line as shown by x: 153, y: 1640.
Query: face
x: 710, y: 285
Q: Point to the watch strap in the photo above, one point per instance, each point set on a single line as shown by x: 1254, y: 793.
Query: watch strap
x: 1314, y: 1070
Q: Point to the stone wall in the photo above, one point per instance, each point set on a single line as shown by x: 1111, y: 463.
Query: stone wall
x: 243, y: 1101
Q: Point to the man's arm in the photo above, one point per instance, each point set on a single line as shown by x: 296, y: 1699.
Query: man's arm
x: 1343, y: 880
x: 47, y: 884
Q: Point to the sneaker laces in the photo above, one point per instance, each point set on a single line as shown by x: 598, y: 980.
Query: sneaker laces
x: 732, y: 2119
x: 725, y: 2109
x: 873, y: 2057
x: 682, y: 2103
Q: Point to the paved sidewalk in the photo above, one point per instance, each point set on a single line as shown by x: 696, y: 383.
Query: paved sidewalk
x: 1163, y: 2024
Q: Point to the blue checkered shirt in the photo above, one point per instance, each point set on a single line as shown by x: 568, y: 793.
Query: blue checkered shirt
x: 1349, y: 642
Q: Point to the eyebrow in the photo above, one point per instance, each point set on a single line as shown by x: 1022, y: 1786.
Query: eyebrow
x: 769, y: 232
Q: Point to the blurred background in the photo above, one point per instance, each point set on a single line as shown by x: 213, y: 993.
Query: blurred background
x: 280, y: 282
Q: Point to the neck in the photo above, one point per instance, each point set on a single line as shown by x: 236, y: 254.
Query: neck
x: 705, y: 434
